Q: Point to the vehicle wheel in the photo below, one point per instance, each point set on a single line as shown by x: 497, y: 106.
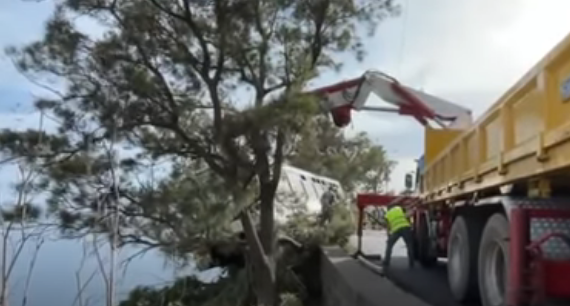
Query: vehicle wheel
x: 423, y: 247
x: 494, y: 261
x: 463, y: 249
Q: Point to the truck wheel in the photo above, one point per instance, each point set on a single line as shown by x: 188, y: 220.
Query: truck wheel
x: 463, y: 249
x: 494, y: 261
x: 423, y: 246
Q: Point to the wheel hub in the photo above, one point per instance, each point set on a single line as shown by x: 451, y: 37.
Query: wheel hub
x: 454, y: 261
x: 495, y: 274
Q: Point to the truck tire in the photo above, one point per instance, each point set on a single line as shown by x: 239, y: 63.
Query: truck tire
x: 463, y: 253
x: 423, y: 247
x: 494, y: 261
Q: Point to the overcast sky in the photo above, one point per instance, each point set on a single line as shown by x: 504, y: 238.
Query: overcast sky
x: 468, y: 52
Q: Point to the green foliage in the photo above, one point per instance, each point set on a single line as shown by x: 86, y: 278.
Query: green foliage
x: 180, y: 213
x: 299, y: 271
x: 305, y: 228
x: 20, y: 213
x: 291, y: 266
x: 355, y: 161
x: 165, y: 83
x: 288, y: 299
x: 165, y: 78
x: 191, y: 291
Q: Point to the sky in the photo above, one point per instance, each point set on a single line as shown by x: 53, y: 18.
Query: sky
x: 468, y: 52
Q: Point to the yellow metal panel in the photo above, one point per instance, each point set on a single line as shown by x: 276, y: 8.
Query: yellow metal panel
x: 436, y: 141
x: 456, y: 167
x: 560, y: 109
x: 525, y: 134
x: 472, y: 149
x: 448, y: 167
x: 493, y: 138
x: 528, y: 114
x: 438, y: 174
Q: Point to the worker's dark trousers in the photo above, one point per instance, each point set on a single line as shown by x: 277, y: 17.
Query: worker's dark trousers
x: 406, y: 234
x: 326, y: 215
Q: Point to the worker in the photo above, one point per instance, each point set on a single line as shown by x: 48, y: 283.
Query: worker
x: 327, y: 202
x: 398, y: 226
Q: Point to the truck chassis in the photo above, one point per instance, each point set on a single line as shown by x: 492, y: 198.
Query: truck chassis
x: 494, y: 197
x: 500, y: 250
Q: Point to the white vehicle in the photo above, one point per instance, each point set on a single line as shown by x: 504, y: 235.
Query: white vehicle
x: 300, y: 190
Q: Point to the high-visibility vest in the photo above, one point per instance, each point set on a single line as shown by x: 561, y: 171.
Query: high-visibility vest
x: 396, y: 218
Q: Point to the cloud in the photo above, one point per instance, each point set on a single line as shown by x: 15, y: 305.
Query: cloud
x: 15, y: 101
x: 25, y: 120
x: 403, y: 166
x: 16, y: 92
x: 20, y: 22
x: 468, y: 52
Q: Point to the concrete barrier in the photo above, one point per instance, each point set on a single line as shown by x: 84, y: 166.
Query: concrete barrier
x: 346, y: 282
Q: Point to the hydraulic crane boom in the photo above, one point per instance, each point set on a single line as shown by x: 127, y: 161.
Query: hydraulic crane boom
x: 341, y: 98
x: 494, y: 194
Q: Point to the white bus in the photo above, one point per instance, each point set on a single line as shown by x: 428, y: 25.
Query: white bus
x: 300, y: 190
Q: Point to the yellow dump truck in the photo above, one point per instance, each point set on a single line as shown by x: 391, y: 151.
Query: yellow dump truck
x: 493, y: 195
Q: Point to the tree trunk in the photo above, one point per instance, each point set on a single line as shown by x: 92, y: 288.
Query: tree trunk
x: 262, y: 265
x: 266, y: 285
x: 267, y: 219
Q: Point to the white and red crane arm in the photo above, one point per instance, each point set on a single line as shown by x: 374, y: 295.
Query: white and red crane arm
x: 341, y: 98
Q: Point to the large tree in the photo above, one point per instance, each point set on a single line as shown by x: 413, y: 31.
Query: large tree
x: 212, y: 85
x: 354, y: 160
x: 191, y: 291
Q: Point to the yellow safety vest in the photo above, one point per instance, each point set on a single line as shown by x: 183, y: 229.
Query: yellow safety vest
x: 396, y: 218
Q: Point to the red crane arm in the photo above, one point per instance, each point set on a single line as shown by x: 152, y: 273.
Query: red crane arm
x: 344, y: 97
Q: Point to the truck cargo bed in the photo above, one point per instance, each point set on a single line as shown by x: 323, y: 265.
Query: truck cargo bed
x: 524, y: 135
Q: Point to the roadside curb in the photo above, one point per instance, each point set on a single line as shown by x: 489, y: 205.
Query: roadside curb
x: 347, y: 281
x: 377, y: 269
x: 370, y: 265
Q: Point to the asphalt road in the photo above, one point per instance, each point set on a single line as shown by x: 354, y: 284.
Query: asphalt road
x: 428, y: 285
x: 372, y: 289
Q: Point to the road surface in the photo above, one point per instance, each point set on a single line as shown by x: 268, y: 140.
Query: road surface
x: 428, y: 285
x: 356, y: 285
